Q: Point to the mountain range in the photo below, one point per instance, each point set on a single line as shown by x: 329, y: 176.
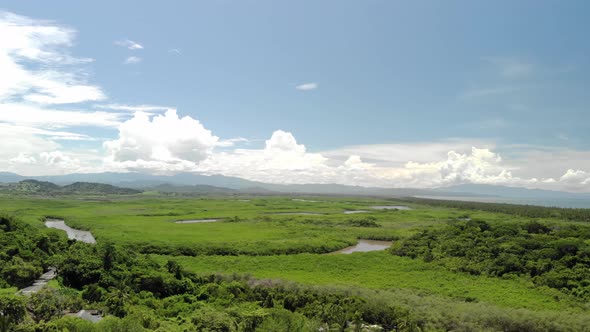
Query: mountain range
x: 199, y: 183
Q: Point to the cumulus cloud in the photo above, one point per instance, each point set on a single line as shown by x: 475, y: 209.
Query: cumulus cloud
x: 35, y: 151
x: 32, y: 55
x: 53, y: 162
x: 307, y: 86
x: 574, y: 179
x: 129, y: 44
x: 164, y: 142
x: 281, y: 159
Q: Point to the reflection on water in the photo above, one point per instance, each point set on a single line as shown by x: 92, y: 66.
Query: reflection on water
x: 73, y: 234
x: 193, y: 221
x: 365, y: 246
x: 355, y: 211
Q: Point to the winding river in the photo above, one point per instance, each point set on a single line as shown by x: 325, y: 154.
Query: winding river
x: 365, y: 246
x: 194, y: 221
x: 73, y: 234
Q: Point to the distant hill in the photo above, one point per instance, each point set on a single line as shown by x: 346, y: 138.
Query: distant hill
x: 31, y: 186
x: 6, y: 177
x: 196, y: 189
x: 180, y: 181
x: 96, y: 188
x: 34, y: 186
x: 219, y: 184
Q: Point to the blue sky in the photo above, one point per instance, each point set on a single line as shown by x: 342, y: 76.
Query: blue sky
x: 389, y: 82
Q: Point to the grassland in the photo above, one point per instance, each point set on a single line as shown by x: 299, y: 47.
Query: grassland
x: 257, y: 226
x: 255, y: 240
x: 383, y: 271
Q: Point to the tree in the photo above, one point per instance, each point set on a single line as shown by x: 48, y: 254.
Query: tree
x: 47, y: 304
x: 117, y: 299
x: 174, y: 268
x: 12, y: 311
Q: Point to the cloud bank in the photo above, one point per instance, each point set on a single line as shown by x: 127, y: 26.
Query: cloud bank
x: 168, y: 143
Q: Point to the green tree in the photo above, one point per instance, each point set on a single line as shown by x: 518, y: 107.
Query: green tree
x: 47, y: 304
x: 12, y: 311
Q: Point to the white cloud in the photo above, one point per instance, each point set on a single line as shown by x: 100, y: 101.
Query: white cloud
x: 133, y: 108
x: 575, y: 176
x: 31, y: 115
x: 398, y: 154
x: 32, y: 55
x: 282, y: 160
x: 51, y: 134
x: 282, y: 141
x: 18, y: 139
x: 129, y: 44
x: 175, y: 51
x: 54, y: 162
x: 19, y: 145
x: 167, y: 143
x: 307, y: 86
x: 162, y: 141
x: 132, y: 60
x: 226, y: 143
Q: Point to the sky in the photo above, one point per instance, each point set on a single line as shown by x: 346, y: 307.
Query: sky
x: 417, y: 94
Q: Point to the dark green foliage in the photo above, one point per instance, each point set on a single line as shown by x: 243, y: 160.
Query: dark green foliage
x: 47, y: 304
x: 209, y: 319
x: 24, y: 252
x: 12, y: 311
x: 553, y: 256
x: 284, y: 320
x: 93, y: 293
x: 364, y: 222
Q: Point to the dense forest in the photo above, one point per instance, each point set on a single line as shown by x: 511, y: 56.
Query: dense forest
x: 552, y: 255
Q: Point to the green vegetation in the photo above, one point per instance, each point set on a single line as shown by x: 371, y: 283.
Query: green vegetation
x: 45, y: 188
x: 557, y: 256
x: 26, y: 251
x: 450, y: 268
